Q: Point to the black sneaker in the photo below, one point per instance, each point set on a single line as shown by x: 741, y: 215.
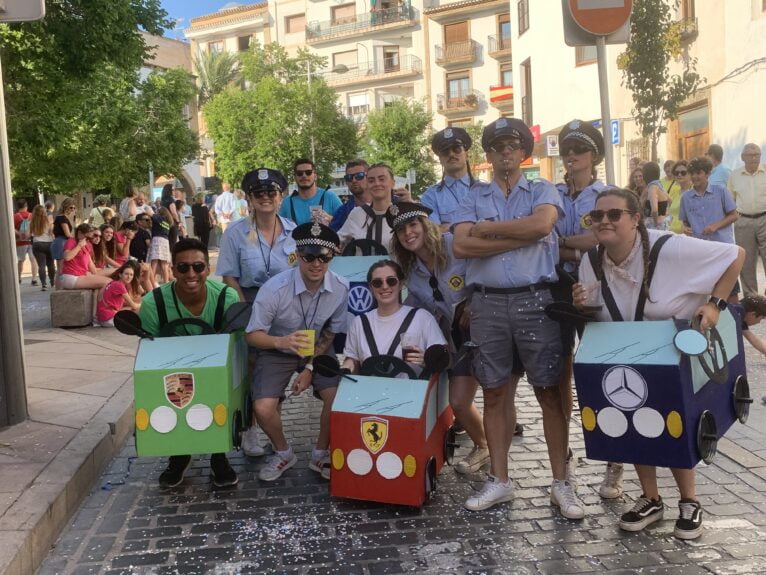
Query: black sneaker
x: 644, y: 512
x: 34, y: 282
x: 689, y: 524
x: 223, y: 474
x: 174, y: 473
x: 458, y: 428
x: 518, y: 431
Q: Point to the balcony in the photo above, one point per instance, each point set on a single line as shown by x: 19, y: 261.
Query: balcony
x: 381, y: 70
x: 457, y: 53
x: 499, y: 47
x: 454, y: 105
x: 357, y: 113
x: 360, y: 24
x: 501, y: 97
x: 688, y: 30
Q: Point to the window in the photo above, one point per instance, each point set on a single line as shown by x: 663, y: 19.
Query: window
x: 391, y: 58
x: 461, y: 123
x: 523, y: 7
x: 243, y: 43
x: 295, y: 24
x: 585, y: 55
x: 347, y: 59
x: 344, y: 14
x: 506, y: 75
x: 504, y: 26
x: 358, y: 104
x: 687, y: 9
x: 215, y: 47
x: 457, y: 32
x: 458, y: 85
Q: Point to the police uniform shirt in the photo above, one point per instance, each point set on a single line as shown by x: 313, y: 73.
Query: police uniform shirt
x: 451, y: 284
x: 575, y: 218
x: 445, y: 197
x: 357, y: 225
x: 254, y: 262
x: 284, y: 305
x: 531, y: 264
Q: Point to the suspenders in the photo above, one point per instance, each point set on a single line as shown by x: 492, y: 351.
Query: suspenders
x: 162, y: 313
x: 371, y: 339
x: 375, y: 229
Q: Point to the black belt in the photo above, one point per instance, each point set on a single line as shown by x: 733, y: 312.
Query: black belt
x: 752, y: 216
x: 530, y: 288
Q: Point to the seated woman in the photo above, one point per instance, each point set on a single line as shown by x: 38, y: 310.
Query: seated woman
x: 379, y: 332
x: 103, y: 250
x: 122, y: 241
x: 78, y: 270
x: 123, y: 292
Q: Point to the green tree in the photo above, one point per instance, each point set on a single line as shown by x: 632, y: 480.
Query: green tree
x: 655, y: 40
x: 215, y: 71
x: 476, y: 155
x: 272, y: 123
x: 398, y: 135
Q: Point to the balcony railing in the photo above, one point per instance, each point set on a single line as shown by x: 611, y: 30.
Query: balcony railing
x: 688, y: 29
x: 407, y: 65
x: 499, y: 46
x: 359, y: 23
x: 464, y: 52
x: 467, y: 102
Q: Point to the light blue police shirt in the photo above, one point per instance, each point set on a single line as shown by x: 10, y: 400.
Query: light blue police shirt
x: 445, y: 197
x: 575, y: 210
x: 531, y: 264
x: 254, y: 262
x: 702, y: 210
x: 301, y: 207
x: 450, y: 280
x: 284, y: 305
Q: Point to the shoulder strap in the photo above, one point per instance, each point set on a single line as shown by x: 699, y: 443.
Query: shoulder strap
x: 218, y: 321
x: 370, y: 214
x: 606, y: 293
x: 402, y: 328
x: 655, y: 251
x: 368, y: 335
x: 321, y: 199
x: 159, y: 301
x: 292, y: 207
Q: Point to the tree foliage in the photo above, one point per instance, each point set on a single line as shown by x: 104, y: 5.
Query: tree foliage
x: 657, y: 93
x: 271, y: 123
x: 476, y: 155
x: 399, y: 135
x: 78, y: 115
x: 215, y: 72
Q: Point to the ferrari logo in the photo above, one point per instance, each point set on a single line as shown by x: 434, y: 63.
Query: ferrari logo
x: 292, y: 258
x: 456, y: 282
x: 179, y: 388
x: 374, y: 433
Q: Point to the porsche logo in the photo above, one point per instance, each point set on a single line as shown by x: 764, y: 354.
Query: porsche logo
x: 179, y: 388
x: 291, y: 259
x: 374, y: 433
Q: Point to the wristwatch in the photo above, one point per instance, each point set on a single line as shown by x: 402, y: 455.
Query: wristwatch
x: 718, y: 302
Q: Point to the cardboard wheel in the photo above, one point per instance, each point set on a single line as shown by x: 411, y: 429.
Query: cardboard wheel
x: 707, y: 436
x: 741, y: 399
x: 236, y: 429
x: 450, y: 443
x: 430, y: 477
x: 247, y: 412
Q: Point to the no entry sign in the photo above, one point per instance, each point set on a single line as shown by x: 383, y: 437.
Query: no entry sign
x: 600, y: 17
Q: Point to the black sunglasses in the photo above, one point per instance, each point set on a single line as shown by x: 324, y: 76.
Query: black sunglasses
x: 260, y: 192
x: 359, y: 176
x: 391, y: 281
x: 612, y: 215
x: 184, y: 267
x: 500, y: 147
x: 311, y: 258
x: 680, y: 172
x: 303, y: 172
x: 575, y: 149
x: 434, y: 284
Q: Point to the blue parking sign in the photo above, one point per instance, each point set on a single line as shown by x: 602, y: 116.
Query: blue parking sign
x: 615, y: 132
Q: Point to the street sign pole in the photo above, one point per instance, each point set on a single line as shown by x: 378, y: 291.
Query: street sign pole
x: 606, y: 117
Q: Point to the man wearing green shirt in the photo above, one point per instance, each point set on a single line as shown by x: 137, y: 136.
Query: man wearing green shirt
x: 190, y: 295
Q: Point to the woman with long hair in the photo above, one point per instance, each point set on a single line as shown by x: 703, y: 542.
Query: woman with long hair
x: 122, y: 241
x: 122, y: 292
x: 203, y: 219
x: 436, y: 282
x: 41, y: 229
x: 108, y: 247
x: 159, y: 250
x: 691, y: 278
x: 168, y: 201
x: 654, y: 199
x: 636, y: 182
x: 78, y: 270
x: 63, y: 229
x: 681, y: 181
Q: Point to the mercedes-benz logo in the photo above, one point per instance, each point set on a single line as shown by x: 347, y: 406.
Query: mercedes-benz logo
x: 624, y: 387
x: 359, y: 299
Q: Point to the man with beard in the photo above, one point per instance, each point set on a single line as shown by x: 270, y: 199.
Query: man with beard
x: 298, y: 207
x: 506, y: 231
x: 356, y: 180
x: 451, y: 145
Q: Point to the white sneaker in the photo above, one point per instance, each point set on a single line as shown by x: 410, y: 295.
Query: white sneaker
x: 474, y: 461
x: 611, y: 486
x: 251, y: 443
x: 492, y: 493
x: 321, y: 466
x: 571, y: 469
x: 276, y: 466
x: 563, y: 496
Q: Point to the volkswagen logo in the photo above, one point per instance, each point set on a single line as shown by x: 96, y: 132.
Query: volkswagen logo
x: 359, y: 299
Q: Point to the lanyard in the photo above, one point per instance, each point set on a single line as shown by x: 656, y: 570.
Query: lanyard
x: 306, y: 323
x: 266, y: 257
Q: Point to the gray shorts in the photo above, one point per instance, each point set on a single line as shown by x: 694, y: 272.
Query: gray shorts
x: 500, y: 322
x: 274, y: 370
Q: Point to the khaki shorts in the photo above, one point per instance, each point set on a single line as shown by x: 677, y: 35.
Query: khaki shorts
x: 274, y: 370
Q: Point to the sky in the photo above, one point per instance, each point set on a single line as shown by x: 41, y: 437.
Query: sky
x: 184, y: 10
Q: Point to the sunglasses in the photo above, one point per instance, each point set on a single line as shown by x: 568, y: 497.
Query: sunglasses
x: 390, y: 281
x: 184, y: 267
x: 456, y: 149
x: 503, y: 146
x: 576, y: 149
x: 303, y: 172
x: 311, y: 258
x: 434, y: 285
x: 261, y: 192
x: 359, y: 176
x: 612, y: 215
x: 680, y: 172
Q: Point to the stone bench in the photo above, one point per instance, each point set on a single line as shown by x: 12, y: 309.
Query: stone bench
x: 72, y: 307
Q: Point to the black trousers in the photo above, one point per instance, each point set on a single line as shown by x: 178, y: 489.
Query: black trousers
x: 42, y: 253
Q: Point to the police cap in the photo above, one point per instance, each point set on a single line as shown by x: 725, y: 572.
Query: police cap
x: 264, y: 178
x: 583, y: 133
x: 313, y: 237
x: 400, y: 213
x: 448, y: 137
x: 508, y: 128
